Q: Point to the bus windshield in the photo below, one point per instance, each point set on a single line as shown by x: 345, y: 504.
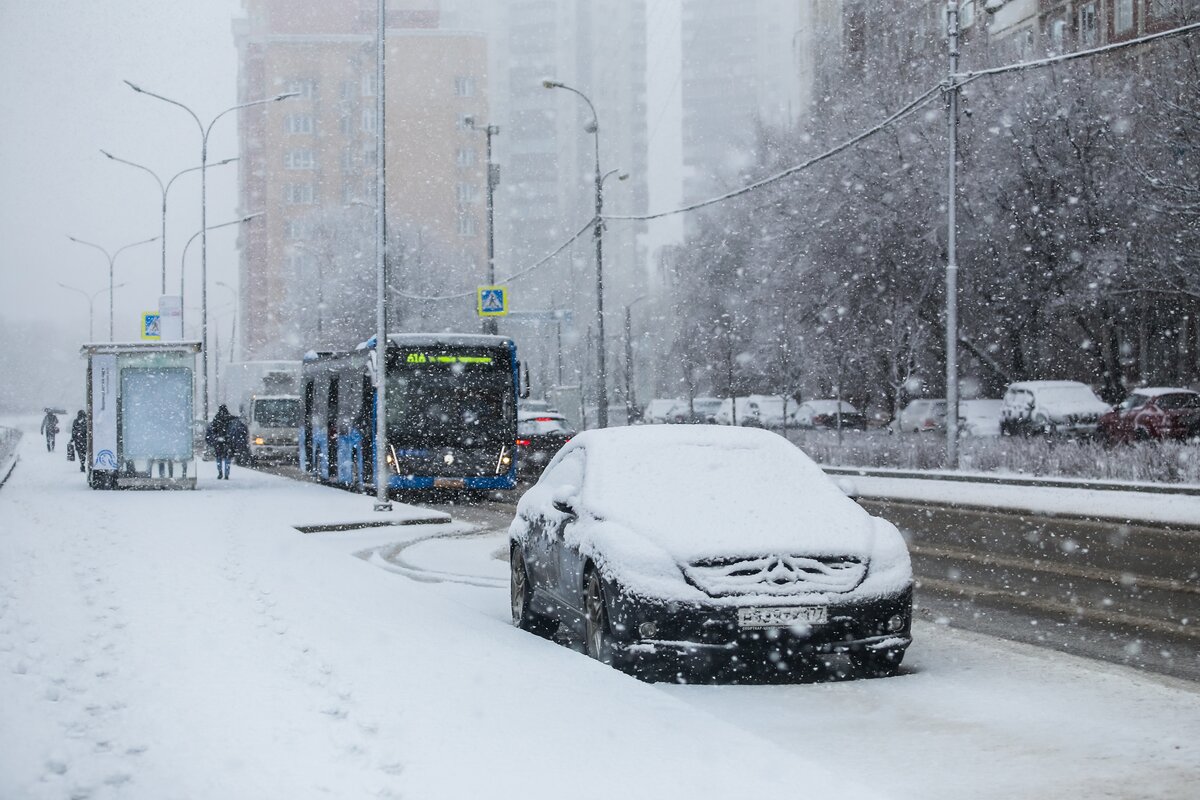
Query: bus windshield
x: 281, y: 412
x: 451, y: 403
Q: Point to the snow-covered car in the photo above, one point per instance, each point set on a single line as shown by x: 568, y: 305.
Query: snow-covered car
x: 702, y: 410
x: 1068, y: 408
x: 922, y: 414
x: 1153, y: 413
x: 753, y: 411
x: 675, y: 547
x: 979, y: 417
x: 540, y: 434
x: 824, y: 414
x: 659, y: 410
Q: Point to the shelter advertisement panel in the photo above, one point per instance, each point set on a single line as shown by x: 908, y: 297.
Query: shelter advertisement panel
x: 104, y: 412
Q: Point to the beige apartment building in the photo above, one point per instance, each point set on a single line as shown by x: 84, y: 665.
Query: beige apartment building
x: 307, y: 277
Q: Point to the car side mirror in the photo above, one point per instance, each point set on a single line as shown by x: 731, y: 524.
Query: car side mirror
x: 562, y: 500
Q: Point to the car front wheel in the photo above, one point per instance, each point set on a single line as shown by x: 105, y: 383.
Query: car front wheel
x: 521, y: 594
x: 598, y: 641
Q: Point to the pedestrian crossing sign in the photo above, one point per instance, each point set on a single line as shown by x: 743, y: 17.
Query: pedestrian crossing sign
x: 151, y: 327
x: 492, y: 301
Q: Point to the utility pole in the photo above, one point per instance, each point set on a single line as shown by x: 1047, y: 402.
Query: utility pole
x: 952, y: 90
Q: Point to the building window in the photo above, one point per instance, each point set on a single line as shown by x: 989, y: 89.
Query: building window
x: 298, y: 194
x: 299, y: 123
x: 368, y: 84
x: 966, y: 13
x: 346, y: 125
x: 465, y: 157
x: 467, y: 193
x: 293, y: 230
x: 1058, y: 36
x: 299, y: 159
x: 306, y: 88
x: 466, y: 225
x: 1124, y: 16
x: 1160, y: 9
x: 1087, y: 25
x: 368, y: 120
x: 464, y: 87
x: 348, y: 88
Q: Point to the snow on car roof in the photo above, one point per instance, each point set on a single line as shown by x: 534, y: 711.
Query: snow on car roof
x: 708, y: 491
x: 1155, y: 391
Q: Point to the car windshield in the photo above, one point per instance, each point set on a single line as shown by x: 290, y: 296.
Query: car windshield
x: 1178, y: 401
x: 281, y: 412
x: 1068, y: 396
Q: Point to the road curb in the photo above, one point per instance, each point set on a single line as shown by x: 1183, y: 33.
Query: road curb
x: 1009, y: 480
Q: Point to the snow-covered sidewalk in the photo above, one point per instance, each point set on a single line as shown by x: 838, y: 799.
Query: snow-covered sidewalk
x: 195, y: 645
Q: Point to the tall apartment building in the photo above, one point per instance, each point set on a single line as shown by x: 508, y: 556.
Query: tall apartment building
x: 308, y: 267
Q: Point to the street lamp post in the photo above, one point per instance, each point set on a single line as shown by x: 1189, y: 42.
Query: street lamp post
x: 952, y: 92
x: 204, y: 132
x: 493, y: 178
x: 602, y: 377
x: 163, y: 188
x: 91, y: 298
x: 112, y: 259
x: 629, y: 392
x: 183, y: 261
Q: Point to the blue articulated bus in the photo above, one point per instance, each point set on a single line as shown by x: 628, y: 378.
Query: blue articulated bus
x: 451, y: 413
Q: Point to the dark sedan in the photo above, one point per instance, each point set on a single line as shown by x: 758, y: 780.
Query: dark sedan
x: 540, y: 435
x: 669, y: 549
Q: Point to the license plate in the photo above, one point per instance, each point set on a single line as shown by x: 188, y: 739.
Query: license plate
x: 782, y: 617
x: 448, y: 483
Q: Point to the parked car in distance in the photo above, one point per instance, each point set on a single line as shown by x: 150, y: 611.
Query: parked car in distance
x: 979, y: 417
x: 922, y: 414
x: 1153, y: 413
x: 668, y: 549
x: 824, y: 414
x: 658, y: 410
x: 1067, y: 408
x: 702, y: 412
x: 753, y: 411
x: 540, y: 434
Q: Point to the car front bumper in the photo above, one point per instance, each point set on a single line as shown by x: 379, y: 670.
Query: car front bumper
x: 641, y: 626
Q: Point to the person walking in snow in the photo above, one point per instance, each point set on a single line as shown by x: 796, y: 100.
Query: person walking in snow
x: 50, y: 428
x: 79, y: 436
x: 219, y: 439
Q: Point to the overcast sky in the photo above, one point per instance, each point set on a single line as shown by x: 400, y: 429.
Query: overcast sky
x: 63, y: 99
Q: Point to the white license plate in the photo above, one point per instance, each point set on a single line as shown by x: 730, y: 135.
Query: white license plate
x: 782, y: 617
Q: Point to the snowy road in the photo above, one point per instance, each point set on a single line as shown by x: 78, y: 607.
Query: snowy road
x: 196, y: 645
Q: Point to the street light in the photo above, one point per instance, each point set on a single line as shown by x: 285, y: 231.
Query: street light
x: 493, y: 178
x: 183, y: 264
x: 163, y: 188
x: 204, y: 132
x: 112, y: 258
x: 91, y: 298
x: 593, y: 128
x: 629, y: 398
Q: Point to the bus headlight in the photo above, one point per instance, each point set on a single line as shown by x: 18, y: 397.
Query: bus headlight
x: 258, y: 440
x: 448, y: 458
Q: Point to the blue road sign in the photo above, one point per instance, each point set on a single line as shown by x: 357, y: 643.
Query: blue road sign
x: 492, y: 301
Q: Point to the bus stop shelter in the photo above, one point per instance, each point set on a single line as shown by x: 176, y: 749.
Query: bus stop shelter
x: 140, y: 401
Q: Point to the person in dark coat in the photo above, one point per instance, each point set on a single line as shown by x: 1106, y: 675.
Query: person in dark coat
x: 79, y: 437
x: 218, y: 438
x: 50, y: 428
x: 239, y: 435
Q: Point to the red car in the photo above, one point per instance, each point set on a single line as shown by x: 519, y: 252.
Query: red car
x: 1153, y: 414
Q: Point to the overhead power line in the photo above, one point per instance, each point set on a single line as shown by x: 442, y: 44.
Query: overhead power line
x: 515, y: 276
x: 923, y: 99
